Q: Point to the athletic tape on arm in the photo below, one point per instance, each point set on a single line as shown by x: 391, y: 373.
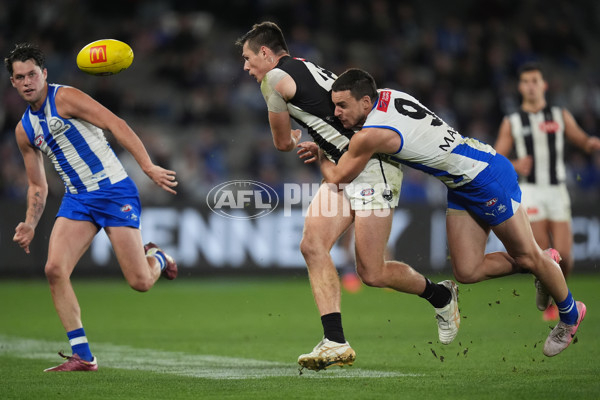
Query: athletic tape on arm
x: 275, y: 102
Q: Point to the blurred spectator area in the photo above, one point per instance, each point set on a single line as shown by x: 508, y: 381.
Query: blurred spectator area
x: 199, y: 113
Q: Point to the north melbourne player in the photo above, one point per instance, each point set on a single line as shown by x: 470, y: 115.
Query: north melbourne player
x: 67, y: 125
x: 483, y: 190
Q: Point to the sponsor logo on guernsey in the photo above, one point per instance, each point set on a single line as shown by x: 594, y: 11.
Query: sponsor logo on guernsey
x: 384, y: 100
x: 126, y: 208
x: 549, y: 126
x: 491, y: 202
x: 97, y: 54
x: 57, y: 126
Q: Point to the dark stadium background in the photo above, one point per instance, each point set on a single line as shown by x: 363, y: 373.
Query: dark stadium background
x: 199, y: 113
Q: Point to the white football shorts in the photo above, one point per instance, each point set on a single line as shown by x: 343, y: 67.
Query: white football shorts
x: 550, y: 202
x: 369, y: 190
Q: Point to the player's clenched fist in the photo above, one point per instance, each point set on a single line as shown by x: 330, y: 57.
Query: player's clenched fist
x: 24, y: 235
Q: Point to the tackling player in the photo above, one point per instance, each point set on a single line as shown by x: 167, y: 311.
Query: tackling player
x: 483, y: 191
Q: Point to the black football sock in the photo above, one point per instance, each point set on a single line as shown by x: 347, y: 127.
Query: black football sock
x: 332, y: 327
x: 438, y: 295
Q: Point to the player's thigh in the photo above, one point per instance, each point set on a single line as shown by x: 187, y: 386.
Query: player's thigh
x: 69, y: 240
x: 129, y: 249
x: 516, y: 235
x: 328, y: 216
x: 371, y: 234
x: 467, y: 238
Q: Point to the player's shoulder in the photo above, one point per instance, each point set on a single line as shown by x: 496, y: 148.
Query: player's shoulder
x: 292, y: 65
x: 297, y: 66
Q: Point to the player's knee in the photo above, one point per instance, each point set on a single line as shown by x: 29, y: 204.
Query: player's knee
x: 310, y: 247
x: 467, y: 276
x: 54, y: 272
x: 141, y: 284
x: 370, y: 275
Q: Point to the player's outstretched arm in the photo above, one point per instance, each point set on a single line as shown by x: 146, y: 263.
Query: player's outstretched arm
x: 360, y: 149
x: 363, y: 145
x: 37, y: 191
x: 73, y: 103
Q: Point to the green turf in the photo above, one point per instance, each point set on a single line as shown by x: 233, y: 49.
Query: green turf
x: 497, y: 354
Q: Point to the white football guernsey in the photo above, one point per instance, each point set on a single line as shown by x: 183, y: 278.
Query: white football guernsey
x: 428, y: 143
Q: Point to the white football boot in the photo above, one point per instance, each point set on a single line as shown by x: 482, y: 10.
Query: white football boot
x: 328, y: 353
x: 448, y: 317
x: 562, y: 335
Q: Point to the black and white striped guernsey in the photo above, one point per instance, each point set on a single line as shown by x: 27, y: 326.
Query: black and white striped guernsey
x: 542, y: 136
x: 312, y: 107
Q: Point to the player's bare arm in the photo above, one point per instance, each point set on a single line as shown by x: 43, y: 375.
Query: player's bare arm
x: 73, y: 103
x: 577, y: 135
x: 504, y: 144
x: 284, y: 138
x: 37, y: 191
x: 363, y: 145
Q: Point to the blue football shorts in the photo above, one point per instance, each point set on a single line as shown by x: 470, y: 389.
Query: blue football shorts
x: 493, y: 196
x: 115, y: 205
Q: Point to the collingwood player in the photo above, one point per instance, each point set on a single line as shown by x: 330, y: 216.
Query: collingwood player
x: 297, y: 89
x: 483, y: 190
x: 537, y: 134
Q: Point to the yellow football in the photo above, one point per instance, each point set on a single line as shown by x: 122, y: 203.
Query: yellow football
x: 105, y: 57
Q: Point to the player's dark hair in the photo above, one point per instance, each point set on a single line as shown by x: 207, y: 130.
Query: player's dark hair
x: 23, y: 52
x: 264, y: 34
x: 530, y: 66
x: 360, y: 83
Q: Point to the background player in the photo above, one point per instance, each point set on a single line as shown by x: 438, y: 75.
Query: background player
x: 298, y: 89
x: 67, y: 125
x: 536, y: 134
x: 483, y: 193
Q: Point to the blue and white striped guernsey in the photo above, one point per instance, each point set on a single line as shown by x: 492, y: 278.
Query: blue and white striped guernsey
x: 78, y: 150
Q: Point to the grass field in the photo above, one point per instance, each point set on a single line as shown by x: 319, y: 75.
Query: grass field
x: 239, y: 339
